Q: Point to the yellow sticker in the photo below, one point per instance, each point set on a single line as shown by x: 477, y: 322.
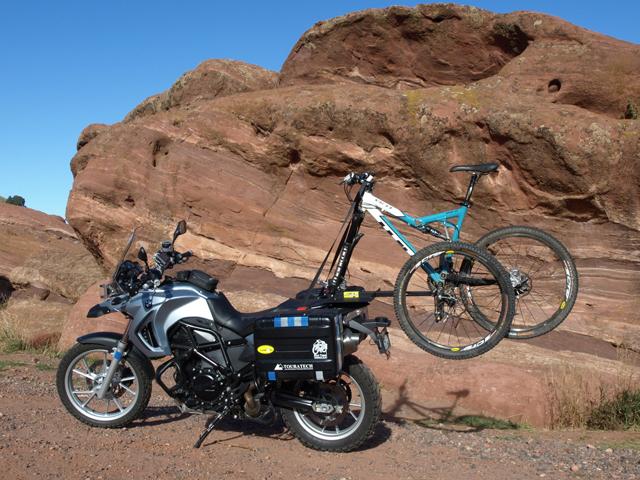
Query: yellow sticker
x: 266, y: 349
x: 450, y: 252
x: 562, y: 305
x: 455, y: 349
x: 351, y: 294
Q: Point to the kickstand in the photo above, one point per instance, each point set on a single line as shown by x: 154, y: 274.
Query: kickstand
x: 210, y: 427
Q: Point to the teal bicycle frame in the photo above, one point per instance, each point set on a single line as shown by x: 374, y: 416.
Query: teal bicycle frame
x: 376, y: 207
x: 365, y: 201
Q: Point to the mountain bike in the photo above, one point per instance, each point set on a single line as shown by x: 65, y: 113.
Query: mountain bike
x: 541, y: 271
x: 453, y: 299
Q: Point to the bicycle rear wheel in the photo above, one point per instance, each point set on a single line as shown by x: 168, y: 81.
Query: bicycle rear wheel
x: 463, y: 314
x: 543, y: 275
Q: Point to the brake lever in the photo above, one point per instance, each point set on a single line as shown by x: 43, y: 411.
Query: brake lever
x: 348, y: 179
x: 183, y: 257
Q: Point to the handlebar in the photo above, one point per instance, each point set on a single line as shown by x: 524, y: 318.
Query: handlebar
x: 165, y: 260
x: 353, y: 178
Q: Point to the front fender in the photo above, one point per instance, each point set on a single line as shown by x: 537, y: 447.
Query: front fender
x: 110, y: 340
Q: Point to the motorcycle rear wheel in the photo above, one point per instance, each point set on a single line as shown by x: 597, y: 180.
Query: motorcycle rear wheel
x: 78, y: 380
x: 357, y: 404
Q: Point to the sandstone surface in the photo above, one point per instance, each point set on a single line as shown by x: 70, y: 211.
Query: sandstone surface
x: 44, y: 270
x: 254, y: 170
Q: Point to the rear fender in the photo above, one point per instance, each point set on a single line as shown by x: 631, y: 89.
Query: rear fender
x: 110, y: 340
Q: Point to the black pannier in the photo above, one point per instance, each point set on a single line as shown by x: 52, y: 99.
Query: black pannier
x: 299, y: 347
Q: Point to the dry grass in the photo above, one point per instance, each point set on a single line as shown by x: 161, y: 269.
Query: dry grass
x: 583, y: 399
x: 16, y: 338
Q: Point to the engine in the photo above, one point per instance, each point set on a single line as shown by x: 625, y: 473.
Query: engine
x: 197, y: 383
x: 204, y: 386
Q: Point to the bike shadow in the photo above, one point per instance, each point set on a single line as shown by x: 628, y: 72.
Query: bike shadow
x: 158, y: 415
x: 441, y: 418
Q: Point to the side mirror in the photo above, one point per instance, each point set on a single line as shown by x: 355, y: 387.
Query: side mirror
x: 142, y: 255
x: 180, y: 229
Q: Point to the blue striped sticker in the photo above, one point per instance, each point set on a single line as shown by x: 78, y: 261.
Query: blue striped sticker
x: 117, y: 355
x: 291, y: 322
x: 272, y: 375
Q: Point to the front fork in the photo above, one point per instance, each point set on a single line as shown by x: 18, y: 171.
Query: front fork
x: 117, y: 353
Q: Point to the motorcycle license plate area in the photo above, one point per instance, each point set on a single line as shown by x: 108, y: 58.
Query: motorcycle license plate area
x: 298, y: 347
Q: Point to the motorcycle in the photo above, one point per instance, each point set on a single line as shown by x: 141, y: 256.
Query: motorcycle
x: 297, y: 357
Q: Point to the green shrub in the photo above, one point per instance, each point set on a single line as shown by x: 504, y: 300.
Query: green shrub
x: 621, y: 412
x: 16, y: 200
x: 597, y: 402
x: 632, y: 112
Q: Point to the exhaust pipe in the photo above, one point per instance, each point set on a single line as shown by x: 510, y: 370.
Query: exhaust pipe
x: 251, y: 407
x: 351, y: 341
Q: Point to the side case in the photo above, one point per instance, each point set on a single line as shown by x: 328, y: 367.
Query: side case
x: 299, y: 347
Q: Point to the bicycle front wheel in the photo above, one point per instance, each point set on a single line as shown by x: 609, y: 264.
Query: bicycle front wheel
x: 543, y: 275
x: 463, y: 313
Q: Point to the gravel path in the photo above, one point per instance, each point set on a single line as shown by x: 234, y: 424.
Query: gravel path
x: 39, y: 439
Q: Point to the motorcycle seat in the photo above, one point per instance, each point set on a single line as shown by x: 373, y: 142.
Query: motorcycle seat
x: 225, y: 315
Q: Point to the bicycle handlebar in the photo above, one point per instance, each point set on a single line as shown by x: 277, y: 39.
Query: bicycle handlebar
x: 353, y: 178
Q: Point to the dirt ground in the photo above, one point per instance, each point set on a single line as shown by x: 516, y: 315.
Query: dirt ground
x: 39, y: 439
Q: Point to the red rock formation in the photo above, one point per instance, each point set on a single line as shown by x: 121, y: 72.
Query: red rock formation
x: 406, y: 93
x: 438, y: 45
x: 211, y: 79
x: 44, y: 269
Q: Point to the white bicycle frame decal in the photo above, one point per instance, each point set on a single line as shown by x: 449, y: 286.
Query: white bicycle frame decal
x: 377, y: 208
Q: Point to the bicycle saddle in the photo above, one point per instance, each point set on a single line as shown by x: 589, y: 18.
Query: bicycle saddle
x: 482, y: 168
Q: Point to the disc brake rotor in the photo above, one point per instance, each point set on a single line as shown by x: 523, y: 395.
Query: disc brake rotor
x: 339, y: 397
x: 522, y: 283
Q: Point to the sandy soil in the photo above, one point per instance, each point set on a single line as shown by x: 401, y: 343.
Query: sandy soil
x: 39, y: 439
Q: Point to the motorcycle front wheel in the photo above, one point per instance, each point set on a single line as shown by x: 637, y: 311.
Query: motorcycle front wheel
x: 356, y: 401
x: 78, y: 379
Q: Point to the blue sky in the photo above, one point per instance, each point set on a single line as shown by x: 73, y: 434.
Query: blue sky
x: 67, y: 64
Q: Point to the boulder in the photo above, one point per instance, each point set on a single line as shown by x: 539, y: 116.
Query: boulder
x: 406, y: 93
x: 210, y: 79
x: 44, y: 269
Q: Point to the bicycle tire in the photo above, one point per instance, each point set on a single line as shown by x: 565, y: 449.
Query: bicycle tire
x: 543, y: 273
x: 442, y: 318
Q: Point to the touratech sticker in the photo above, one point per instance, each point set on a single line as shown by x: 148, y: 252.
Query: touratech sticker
x: 320, y: 349
x: 266, y: 349
x: 294, y: 366
x: 351, y: 294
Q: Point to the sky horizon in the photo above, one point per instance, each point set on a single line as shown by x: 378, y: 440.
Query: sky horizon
x: 68, y: 67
